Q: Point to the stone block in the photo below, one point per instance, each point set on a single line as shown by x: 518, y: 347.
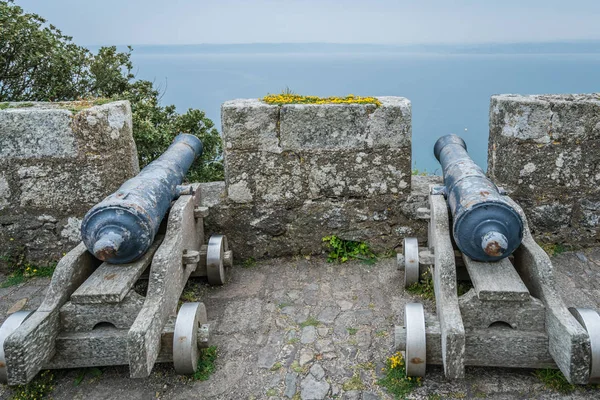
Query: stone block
x: 35, y: 132
x: 545, y: 151
x: 357, y: 174
x: 545, y: 118
x: 346, y: 126
x: 250, y: 125
x: 325, y: 126
x: 390, y: 125
x: 264, y: 177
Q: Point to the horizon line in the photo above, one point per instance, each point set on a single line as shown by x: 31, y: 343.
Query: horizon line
x: 565, y: 41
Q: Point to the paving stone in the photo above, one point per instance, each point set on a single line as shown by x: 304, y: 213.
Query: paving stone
x: 328, y: 314
x: 335, y: 390
x: 352, y: 395
x: 344, y: 305
x: 317, y: 371
x: 306, y: 356
x: 370, y: 396
x: 313, y: 389
x: 267, y: 356
x: 301, y: 314
x: 324, y: 345
x: 363, y: 317
x: 294, y: 294
x: 363, y: 338
x: 291, y: 380
x: 26, y: 290
x: 323, y: 331
x: 309, y: 334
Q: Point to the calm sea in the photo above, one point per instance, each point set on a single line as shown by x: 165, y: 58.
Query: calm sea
x: 450, y: 93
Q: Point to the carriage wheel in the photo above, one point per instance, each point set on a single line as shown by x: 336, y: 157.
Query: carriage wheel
x: 215, y: 255
x: 590, y: 320
x: 415, y: 352
x: 411, y: 261
x: 185, y: 337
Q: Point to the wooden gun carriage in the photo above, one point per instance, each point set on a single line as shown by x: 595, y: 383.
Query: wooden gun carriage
x: 100, y: 313
x: 512, y: 317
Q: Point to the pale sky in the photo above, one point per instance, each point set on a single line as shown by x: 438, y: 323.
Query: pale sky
x: 93, y: 22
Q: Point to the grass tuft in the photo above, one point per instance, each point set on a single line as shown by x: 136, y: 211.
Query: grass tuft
x: 344, y: 250
x: 249, y: 262
x: 26, y: 272
x: 424, y: 287
x: 92, y: 372
x: 553, y: 249
x: 554, y: 379
x: 310, y: 321
x: 206, y: 364
x: 354, y: 383
x: 39, y: 388
x: 352, y: 331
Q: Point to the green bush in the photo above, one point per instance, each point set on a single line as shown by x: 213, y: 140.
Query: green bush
x: 39, y: 63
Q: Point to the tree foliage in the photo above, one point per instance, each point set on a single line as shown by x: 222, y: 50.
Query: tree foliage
x: 39, y: 63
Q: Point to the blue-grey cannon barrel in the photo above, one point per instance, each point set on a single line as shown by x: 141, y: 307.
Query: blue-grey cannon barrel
x: 121, y: 228
x: 485, y: 226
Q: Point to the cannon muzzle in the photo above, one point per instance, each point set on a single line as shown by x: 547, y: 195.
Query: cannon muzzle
x: 485, y: 226
x: 122, y: 227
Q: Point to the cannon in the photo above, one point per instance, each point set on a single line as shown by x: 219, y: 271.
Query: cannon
x: 122, y: 227
x: 509, y: 312
x: 99, y: 313
x: 485, y: 226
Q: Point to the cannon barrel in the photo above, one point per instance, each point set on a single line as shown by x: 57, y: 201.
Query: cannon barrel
x: 121, y: 228
x: 485, y: 226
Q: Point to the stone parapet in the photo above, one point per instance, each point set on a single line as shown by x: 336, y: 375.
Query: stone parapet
x: 545, y: 150
x: 56, y: 162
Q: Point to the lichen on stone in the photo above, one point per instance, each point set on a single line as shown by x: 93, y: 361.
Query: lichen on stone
x: 292, y: 98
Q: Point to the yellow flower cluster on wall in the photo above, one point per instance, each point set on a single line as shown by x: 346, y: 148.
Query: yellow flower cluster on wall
x: 292, y: 98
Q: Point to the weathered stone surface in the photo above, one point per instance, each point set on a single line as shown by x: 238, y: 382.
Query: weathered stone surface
x: 346, y: 126
x: 295, y: 152
x: 36, y: 132
x: 358, y: 174
x: 261, y: 230
x: 313, y: 389
x: 325, y: 126
x: 250, y: 124
x: 290, y: 385
x: 55, y: 164
x: 265, y: 177
x: 545, y: 151
x: 309, y: 334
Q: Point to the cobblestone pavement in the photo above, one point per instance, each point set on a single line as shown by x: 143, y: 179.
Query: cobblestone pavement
x: 306, y: 329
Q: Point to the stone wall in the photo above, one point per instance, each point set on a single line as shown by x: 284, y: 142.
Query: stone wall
x: 297, y: 173
x: 545, y: 150
x: 56, y: 162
